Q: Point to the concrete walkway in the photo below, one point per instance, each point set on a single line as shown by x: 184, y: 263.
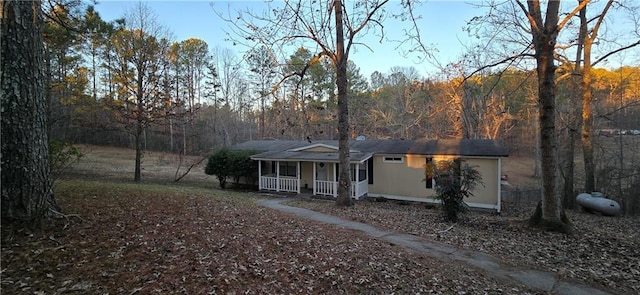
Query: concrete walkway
x: 533, y: 279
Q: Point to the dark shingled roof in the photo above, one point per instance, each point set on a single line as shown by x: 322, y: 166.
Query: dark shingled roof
x: 364, y: 148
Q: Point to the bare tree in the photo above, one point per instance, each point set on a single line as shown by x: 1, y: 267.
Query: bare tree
x: 539, y: 38
x: 334, y: 27
x: 262, y: 68
x: 587, y: 39
x: 544, y: 32
x: 140, y: 56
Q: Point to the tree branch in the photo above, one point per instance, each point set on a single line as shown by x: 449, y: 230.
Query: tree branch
x: 615, y: 51
x: 505, y: 60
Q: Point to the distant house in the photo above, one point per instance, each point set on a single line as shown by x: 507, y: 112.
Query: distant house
x: 393, y: 169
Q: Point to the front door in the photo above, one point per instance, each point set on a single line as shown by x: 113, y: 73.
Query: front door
x: 321, y: 171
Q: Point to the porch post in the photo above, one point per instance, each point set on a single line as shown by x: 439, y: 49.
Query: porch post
x: 277, y: 176
x: 315, y: 187
x: 299, y: 174
x: 499, y: 203
x: 335, y: 182
x: 259, y: 174
x: 357, y: 166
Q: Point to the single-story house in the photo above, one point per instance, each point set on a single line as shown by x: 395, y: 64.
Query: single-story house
x: 393, y: 169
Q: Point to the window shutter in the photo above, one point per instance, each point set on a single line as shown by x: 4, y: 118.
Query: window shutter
x: 370, y: 170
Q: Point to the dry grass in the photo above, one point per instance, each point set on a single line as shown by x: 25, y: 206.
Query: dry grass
x: 190, y: 237
x: 603, y: 251
x: 159, y: 237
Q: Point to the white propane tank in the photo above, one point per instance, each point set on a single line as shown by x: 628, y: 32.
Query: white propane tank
x: 596, y: 202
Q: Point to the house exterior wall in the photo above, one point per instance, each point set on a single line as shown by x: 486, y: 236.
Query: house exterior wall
x: 405, y: 180
x: 307, y: 174
x: 402, y: 178
x: 488, y: 192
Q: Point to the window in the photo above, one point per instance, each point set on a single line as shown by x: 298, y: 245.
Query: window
x: 393, y: 160
x: 362, y: 172
x: 370, y: 170
x: 429, y: 177
x: 289, y: 169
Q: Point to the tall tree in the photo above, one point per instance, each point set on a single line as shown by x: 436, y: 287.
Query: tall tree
x: 63, y: 66
x: 140, y: 57
x: 27, y: 193
x: 333, y: 27
x: 189, y: 59
x: 587, y: 39
x: 544, y: 32
x: 231, y: 91
x: 262, y: 67
x: 537, y: 37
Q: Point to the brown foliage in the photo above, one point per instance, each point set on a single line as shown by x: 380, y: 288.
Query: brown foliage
x: 171, y: 239
x: 602, y: 251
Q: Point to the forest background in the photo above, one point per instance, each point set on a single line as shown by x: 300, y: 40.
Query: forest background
x: 195, y: 97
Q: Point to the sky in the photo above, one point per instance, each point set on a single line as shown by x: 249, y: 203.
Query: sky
x: 441, y: 27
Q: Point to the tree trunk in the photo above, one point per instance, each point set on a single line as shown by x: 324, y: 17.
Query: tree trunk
x: 544, y: 40
x: 344, y: 177
x: 568, y: 200
x: 587, y: 120
x: 137, y: 177
x: 27, y: 193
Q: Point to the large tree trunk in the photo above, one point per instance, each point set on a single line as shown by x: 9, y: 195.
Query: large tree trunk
x: 27, y: 193
x: 587, y: 120
x: 344, y: 178
x: 544, y: 40
x: 139, y: 148
x: 568, y: 200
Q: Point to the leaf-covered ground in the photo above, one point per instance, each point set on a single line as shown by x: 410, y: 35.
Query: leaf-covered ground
x: 191, y: 238
x: 160, y: 239
x: 603, y: 251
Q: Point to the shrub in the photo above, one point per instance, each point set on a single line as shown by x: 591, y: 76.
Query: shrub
x: 455, y: 181
x: 225, y: 163
x: 218, y: 165
x: 61, y: 156
x: 243, y: 166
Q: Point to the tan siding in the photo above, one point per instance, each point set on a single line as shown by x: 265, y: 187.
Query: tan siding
x: 487, y: 194
x: 407, y: 178
x: 307, y: 174
x: 401, y: 179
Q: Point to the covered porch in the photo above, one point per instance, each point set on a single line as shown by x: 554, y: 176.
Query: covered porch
x: 317, y: 171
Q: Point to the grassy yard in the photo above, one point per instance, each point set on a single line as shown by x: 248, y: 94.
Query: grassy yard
x: 189, y: 237
x: 151, y: 238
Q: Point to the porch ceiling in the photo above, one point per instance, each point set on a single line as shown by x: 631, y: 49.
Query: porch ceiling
x: 305, y: 156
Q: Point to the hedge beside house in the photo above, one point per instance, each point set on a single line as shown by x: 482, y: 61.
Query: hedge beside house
x: 225, y: 164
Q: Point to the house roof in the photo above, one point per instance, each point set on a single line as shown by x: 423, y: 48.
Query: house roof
x: 355, y: 157
x: 363, y: 149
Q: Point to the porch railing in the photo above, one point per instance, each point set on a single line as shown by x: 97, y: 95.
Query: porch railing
x: 282, y: 184
x: 325, y: 188
x: 359, y: 189
x: 330, y: 188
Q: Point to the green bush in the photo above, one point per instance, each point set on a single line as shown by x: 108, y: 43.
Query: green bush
x: 455, y: 181
x: 243, y: 166
x: 225, y: 163
x: 62, y: 155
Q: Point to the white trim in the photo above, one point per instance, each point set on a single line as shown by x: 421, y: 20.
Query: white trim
x: 392, y: 159
x: 259, y: 175
x: 310, y: 160
x: 306, y: 147
x: 299, y: 175
x: 335, y: 181
x: 434, y: 201
x: 499, y: 185
x: 277, y: 176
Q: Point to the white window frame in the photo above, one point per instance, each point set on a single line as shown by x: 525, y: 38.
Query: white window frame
x: 393, y: 159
